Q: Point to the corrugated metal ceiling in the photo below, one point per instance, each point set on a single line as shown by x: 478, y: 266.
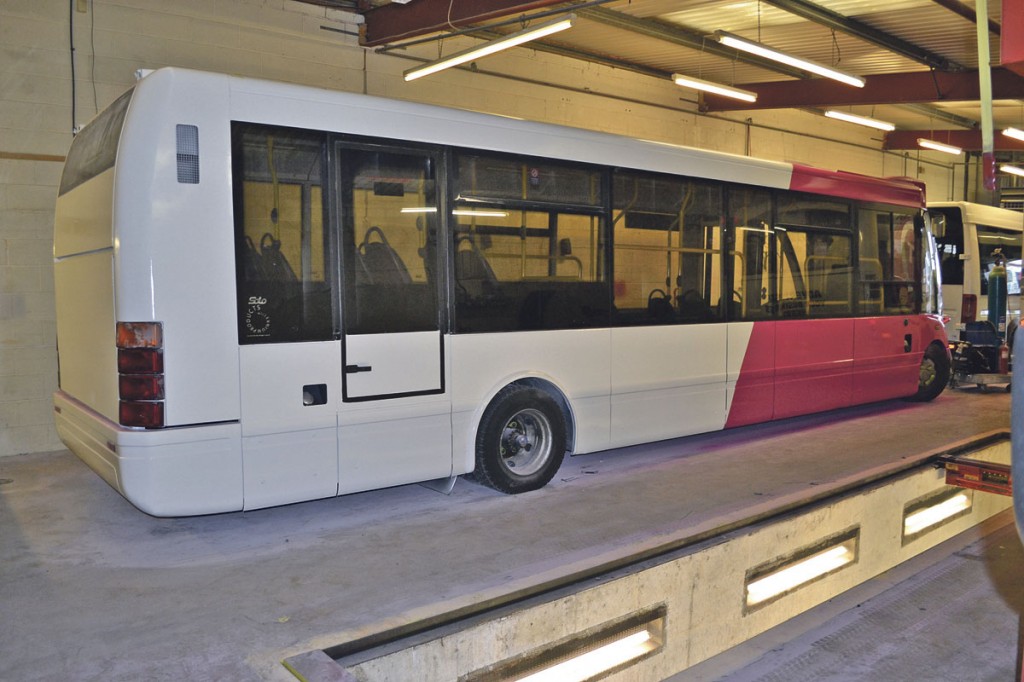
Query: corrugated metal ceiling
x: 632, y: 34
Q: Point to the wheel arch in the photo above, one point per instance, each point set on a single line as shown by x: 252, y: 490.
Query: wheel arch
x: 540, y: 382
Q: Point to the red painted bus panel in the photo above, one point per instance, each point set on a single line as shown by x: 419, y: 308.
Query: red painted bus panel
x: 813, y: 366
x: 883, y: 366
x: 853, y: 186
x: 754, y: 398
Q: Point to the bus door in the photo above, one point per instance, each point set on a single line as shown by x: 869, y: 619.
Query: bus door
x: 395, y: 417
x: 290, y: 373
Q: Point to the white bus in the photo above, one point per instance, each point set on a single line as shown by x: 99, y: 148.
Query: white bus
x: 269, y: 293
x: 966, y: 235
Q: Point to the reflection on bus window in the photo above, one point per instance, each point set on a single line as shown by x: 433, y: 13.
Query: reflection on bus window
x: 668, y: 245
x: 753, y: 296
x: 529, y: 245
x: 815, y: 258
x: 282, y: 249
x: 389, y: 228
x: 888, y: 261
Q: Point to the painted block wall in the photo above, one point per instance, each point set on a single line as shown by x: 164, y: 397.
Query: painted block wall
x: 297, y: 42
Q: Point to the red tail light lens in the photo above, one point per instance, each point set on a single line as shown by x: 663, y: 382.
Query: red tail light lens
x: 140, y: 361
x: 141, y: 387
x: 149, y: 415
x: 140, y: 366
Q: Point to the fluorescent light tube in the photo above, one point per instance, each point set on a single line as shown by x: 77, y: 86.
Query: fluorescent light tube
x: 480, y: 213
x: 1013, y: 170
x: 490, y: 47
x: 860, y: 120
x: 592, y: 663
x: 419, y: 209
x: 716, y: 88
x: 929, y: 516
x: 1015, y: 133
x: 800, y: 572
x: 938, y: 146
x: 735, y: 41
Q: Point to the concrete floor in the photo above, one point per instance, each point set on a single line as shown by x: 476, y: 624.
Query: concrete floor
x: 91, y: 588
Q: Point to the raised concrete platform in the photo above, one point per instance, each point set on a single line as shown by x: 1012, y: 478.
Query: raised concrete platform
x: 92, y: 588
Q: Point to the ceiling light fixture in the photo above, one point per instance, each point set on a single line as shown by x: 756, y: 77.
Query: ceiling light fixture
x: 735, y: 41
x: 716, y: 88
x: 490, y: 47
x: 938, y: 146
x: 1015, y: 133
x: 860, y: 120
x: 1013, y: 170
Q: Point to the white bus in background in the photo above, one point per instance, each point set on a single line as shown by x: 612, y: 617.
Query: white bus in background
x: 966, y: 234
x: 269, y: 293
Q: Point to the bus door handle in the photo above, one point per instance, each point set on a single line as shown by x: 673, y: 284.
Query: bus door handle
x: 356, y: 369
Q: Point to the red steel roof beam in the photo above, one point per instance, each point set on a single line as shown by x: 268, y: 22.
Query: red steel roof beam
x: 1011, y: 46
x: 393, y: 22
x: 891, y: 88
x: 968, y: 140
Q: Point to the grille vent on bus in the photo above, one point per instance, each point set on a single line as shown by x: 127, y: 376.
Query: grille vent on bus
x: 188, y: 154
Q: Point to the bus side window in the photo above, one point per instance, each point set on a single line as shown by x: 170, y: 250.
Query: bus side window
x: 668, y: 249
x: 284, y: 293
x: 753, y: 293
x: 528, y: 241
x: 389, y: 233
x: 888, y: 262
x: 815, y: 255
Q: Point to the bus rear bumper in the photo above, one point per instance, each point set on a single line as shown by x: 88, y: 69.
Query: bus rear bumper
x: 168, y: 472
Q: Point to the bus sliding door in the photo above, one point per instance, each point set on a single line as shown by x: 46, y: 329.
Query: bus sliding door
x: 395, y: 418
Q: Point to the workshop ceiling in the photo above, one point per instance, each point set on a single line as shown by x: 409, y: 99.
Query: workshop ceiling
x: 919, y: 57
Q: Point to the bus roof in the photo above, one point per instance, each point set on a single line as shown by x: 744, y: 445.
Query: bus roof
x: 980, y: 214
x: 301, y: 106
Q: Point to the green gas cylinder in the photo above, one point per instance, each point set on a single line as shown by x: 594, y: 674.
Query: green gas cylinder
x: 997, y: 292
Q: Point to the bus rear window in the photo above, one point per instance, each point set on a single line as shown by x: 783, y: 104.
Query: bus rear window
x: 95, y: 147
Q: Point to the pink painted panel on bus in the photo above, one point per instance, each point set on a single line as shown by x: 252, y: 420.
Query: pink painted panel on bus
x: 887, y: 356
x: 898, y: 191
x: 813, y: 366
x: 754, y: 398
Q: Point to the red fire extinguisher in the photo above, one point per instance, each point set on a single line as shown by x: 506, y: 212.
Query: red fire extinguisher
x: 1004, y: 359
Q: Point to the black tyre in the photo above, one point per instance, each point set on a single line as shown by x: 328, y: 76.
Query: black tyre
x: 521, y: 440
x: 934, y: 374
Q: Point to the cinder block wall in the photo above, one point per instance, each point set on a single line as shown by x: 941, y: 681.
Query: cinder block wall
x: 285, y: 40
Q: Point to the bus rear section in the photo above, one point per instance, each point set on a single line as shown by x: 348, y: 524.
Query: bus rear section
x: 148, y: 376
x: 967, y: 236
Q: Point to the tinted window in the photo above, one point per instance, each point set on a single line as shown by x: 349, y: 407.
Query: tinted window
x: 487, y: 177
x: 668, y: 245
x: 753, y: 293
x: 1009, y: 243
x: 389, y: 229
x: 284, y: 291
x: 814, y: 255
x: 889, y: 258
x: 528, y: 253
x: 950, y: 226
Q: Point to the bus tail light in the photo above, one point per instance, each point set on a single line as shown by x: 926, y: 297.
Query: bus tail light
x: 146, y: 414
x: 969, y: 308
x: 140, y: 366
x: 140, y: 361
x: 141, y: 386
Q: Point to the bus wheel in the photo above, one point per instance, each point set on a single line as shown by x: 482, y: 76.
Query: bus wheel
x: 934, y: 374
x: 521, y: 440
